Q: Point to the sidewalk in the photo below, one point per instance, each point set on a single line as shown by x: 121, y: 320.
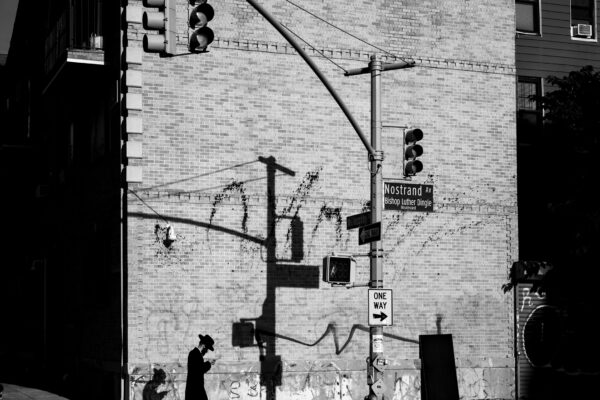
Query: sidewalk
x: 14, y: 392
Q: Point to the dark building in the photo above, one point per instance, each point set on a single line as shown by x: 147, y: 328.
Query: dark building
x: 60, y: 165
x: 554, y: 350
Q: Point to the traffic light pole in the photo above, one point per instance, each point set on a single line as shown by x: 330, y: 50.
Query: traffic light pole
x: 375, y: 376
x: 376, y: 362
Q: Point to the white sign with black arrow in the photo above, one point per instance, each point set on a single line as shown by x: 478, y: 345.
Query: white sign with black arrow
x: 380, y: 307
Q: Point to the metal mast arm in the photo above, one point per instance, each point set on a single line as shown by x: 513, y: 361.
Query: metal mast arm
x: 316, y: 70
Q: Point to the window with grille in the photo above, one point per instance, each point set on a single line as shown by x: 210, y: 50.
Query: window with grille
x: 529, y: 117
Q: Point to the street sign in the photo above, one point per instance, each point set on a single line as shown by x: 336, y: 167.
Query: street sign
x: 369, y: 233
x: 407, y: 196
x: 358, y: 220
x: 380, y: 307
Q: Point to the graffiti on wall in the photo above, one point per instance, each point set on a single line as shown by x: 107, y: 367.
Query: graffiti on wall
x: 171, y: 324
x: 322, y: 380
x: 233, y: 187
x: 248, y: 385
x: 554, y: 338
x: 328, y: 213
x: 407, y: 386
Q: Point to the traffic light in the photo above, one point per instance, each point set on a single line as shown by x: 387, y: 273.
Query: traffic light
x: 412, y: 150
x: 165, y: 22
x: 339, y: 270
x: 202, y: 35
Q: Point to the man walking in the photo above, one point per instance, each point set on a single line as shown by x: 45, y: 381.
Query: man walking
x: 197, y: 367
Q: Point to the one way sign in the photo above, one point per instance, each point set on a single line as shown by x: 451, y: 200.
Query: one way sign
x: 380, y: 307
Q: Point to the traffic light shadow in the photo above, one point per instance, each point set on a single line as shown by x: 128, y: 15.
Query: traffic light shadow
x: 278, y: 275
x: 295, y: 237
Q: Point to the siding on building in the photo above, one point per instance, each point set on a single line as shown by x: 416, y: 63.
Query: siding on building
x: 554, y: 51
x: 252, y: 235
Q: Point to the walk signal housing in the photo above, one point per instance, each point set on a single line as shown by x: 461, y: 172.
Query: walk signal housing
x: 412, y: 151
x: 164, y: 20
x: 202, y: 35
x: 339, y: 270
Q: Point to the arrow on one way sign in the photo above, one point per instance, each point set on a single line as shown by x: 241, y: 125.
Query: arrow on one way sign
x: 380, y: 316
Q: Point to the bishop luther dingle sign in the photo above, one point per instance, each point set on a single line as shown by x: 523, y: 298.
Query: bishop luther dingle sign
x: 407, y: 196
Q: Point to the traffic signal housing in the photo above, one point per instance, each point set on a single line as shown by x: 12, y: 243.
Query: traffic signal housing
x: 339, y: 270
x: 202, y: 35
x: 412, y: 151
x: 164, y: 20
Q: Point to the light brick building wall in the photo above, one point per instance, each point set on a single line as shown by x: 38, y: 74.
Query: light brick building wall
x: 243, y: 256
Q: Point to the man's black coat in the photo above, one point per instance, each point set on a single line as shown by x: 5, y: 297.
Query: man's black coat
x: 197, y: 367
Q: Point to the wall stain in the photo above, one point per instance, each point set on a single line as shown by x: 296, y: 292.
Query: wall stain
x: 366, y: 206
x: 410, y: 227
x: 164, y: 250
x: 298, y: 200
x: 443, y: 233
x: 302, y: 191
x: 233, y: 187
x: 169, y: 324
x: 330, y: 213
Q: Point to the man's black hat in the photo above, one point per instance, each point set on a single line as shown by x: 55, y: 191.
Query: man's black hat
x: 207, y: 341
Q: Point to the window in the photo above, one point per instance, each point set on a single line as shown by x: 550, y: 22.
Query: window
x: 528, y: 16
x: 583, y: 18
x: 529, y: 118
x: 527, y: 87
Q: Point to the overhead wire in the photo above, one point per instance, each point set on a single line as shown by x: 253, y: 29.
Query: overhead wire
x: 314, y: 48
x: 344, y: 31
x: 148, y: 205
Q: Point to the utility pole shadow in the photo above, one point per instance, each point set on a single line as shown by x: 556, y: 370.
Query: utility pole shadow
x: 264, y: 329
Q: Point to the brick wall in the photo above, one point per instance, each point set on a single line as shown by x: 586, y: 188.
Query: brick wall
x: 251, y: 241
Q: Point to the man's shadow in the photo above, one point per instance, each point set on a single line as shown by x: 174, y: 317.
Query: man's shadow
x: 150, y: 391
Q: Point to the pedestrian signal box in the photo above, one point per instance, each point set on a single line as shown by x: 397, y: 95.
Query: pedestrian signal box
x: 339, y: 270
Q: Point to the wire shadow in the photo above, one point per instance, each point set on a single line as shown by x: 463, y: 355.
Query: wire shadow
x: 197, y: 176
x: 201, y: 224
x: 244, y: 335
